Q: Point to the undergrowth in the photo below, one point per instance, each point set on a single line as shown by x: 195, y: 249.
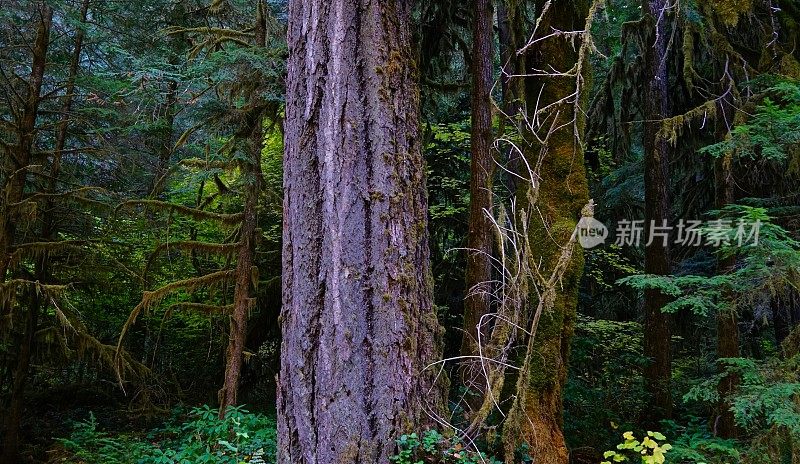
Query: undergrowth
x: 195, y: 438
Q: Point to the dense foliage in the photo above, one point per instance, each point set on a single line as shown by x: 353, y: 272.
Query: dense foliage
x: 145, y: 157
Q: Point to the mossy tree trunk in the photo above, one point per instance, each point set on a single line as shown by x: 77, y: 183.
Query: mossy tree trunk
x: 536, y: 418
x: 479, y: 236
x: 357, y: 319
x: 244, y: 296
x: 16, y: 165
x: 657, y: 332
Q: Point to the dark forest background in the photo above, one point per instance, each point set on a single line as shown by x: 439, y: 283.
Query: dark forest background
x: 141, y: 239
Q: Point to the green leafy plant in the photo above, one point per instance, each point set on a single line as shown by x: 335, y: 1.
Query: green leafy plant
x: 695, y: 443
x: 773, y: 130
x: 766, y: 265
x: 241, y: 437
x: 605, y: 368
x: 648, y: 449
x: 435, y: 448
x: 87, y: 443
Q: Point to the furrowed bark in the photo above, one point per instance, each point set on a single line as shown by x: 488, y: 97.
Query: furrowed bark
x: 480, y: 232
x: 657, y: 332
x: 357, y: 319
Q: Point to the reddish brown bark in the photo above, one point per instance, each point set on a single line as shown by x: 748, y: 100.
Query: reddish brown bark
x: 657, y: 332
x: 357, y: 319
x: 479, y: 236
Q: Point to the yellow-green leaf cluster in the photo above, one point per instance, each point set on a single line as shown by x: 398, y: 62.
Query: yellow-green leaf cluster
x: 648, y: 449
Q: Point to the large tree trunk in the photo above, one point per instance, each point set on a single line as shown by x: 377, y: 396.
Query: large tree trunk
x: 20, y: 163
x: 657, y: 333
x: 357, y: 318
x: 536, y: 417
x: 479, y: 237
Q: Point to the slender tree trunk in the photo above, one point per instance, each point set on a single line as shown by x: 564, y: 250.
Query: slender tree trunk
x: 727, y: 322
x: 22, y: 155
x: 727, y: 347
x: 507, y: 55
x: 657, y: 333
x: 14, y: 416
x: 357, y: 318
x: 164, y: 139
x: 512, y: 66
x: 479, y: 237
x: 785, y: 314
x: 48, y: 219
x: 562, y: 192
x: 509, y: 31
x: 244, y: 298
x: 19, y: 161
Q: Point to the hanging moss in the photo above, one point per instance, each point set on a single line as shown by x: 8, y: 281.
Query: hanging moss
x: 730, y: 11
x: 152, y: 298
x: 789, y: 66
x: 689, y: 74
x: 672, y: 128
x: 222, y: 249
x: 185, y: 210
x: 34, y: 251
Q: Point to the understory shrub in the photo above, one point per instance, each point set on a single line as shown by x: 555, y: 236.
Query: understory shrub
x: 201, y: 437
x: 435, y: 448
